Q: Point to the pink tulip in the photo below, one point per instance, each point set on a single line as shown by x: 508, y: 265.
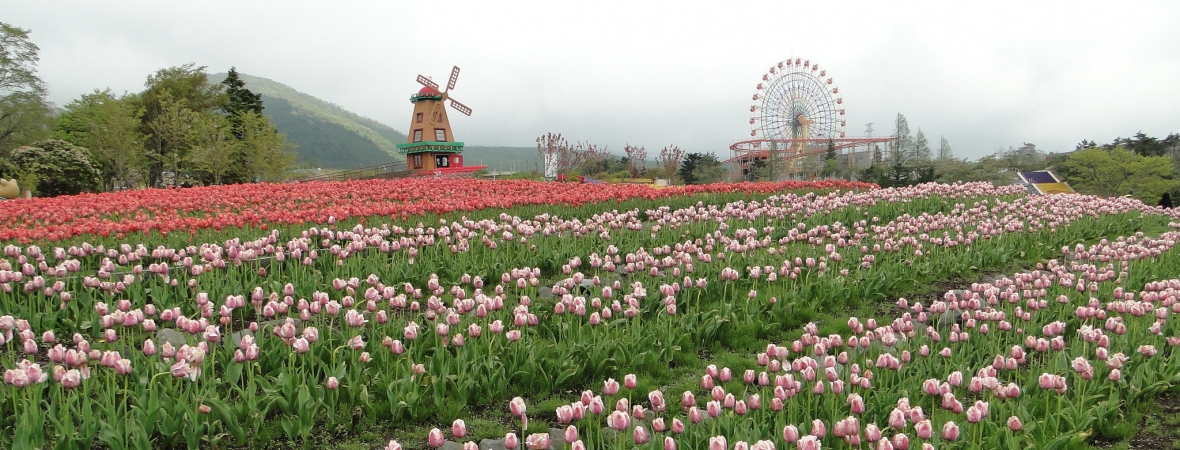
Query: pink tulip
x: 1014, y: 424
x: 808, y: 443
x: 517, y: 406
x: 706, y: 382
x: 511, y: 441
x: 790, y: 434
x: 901, y: 441
x: 718, y: 443
x: 458, y: 428
x: 677, y: 426
x: 669, y: 443
x: 872, y: 433
x: 856, y: 403
x: 618, y: 421
x: 301, y: 345
x: 435, y: 438
x: 537, y: 441
x: 818, y: 429
x: 896, y: 419
x: 950, y: 431
x: 333, y: 383
x: 974, y: 414
x: 924, y: 429
x: 149, y: 348
x: 640, y: 435
x: 695, y: 415
x: 629, y: 380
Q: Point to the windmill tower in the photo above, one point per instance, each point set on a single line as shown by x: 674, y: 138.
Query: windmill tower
x: 431, y: 145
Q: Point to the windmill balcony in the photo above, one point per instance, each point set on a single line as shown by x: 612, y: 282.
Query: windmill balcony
x: 420, y: 97
x: 430, y: 146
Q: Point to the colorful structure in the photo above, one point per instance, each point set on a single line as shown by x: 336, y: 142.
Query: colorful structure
x: 1045, y: 182
x: 430, y: 146
x: 797, y: 111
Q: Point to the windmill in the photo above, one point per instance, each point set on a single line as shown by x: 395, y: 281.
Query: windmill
x: 438, y: 107
x: 430, y: 144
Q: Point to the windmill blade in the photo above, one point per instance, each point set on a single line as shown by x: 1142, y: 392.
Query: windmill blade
x: 454, y: 78
x: 460, y: 107
x: 426, y: 82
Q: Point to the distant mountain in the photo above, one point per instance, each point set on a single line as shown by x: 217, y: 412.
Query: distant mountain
x: 325, y: 134
x: 502, y: 159
x: 331, y: 137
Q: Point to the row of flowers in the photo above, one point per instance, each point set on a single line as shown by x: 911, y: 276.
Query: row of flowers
x: 474, y: 310
x: 255, y: 205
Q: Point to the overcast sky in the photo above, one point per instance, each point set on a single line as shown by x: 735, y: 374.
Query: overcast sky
x: 655, y: 73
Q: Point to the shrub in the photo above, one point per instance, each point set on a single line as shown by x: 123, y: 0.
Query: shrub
x: 59, y: 168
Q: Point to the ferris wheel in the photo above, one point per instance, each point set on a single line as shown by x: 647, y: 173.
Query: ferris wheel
x: 796, y: 101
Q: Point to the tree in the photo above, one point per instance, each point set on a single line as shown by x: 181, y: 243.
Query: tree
x: 213, y: 148
x: 877, y: 157
x: 831, y: 165
x: 689, y: 166
x: 52, y: 167
x: 24, y: 112
x: 239, y: 100
x: 669, y: 159
x: 550, y: 147
x: 811, y: 166
x: 593, y: 160
x: 266, y: 150
x: 109, y: 128
x: 1025, y: 158
x: 989, y: 168
x: 944, y: 149
x: 903, y: 146
x: 170, y: 131
x: 921, y: 147
x: 169, y: 91
x: 701, y: 168
x: 636, y: 159
x: 1120, y: 171
x: 758, y: 170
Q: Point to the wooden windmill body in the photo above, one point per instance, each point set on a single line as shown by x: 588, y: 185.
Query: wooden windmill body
x: 430, y: 144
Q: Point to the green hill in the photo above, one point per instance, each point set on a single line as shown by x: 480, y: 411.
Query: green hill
x: 331, y: 137
x: 325, y: 135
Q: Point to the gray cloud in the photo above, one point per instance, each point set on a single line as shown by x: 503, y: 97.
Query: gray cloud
x: 984, y: 76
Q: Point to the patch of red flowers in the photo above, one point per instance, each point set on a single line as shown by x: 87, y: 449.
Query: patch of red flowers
x: 242, y: 205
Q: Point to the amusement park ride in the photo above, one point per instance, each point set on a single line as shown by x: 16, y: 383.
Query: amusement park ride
x: 796, y: 112
x: 430, y: 146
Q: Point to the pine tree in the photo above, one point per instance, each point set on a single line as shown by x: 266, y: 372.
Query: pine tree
x: 921, y: 147
x: 944, y: 149
x: 904, y: 146
x: 239, y: 100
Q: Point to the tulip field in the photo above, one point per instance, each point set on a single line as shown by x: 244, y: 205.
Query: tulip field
x: 963, y: 316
